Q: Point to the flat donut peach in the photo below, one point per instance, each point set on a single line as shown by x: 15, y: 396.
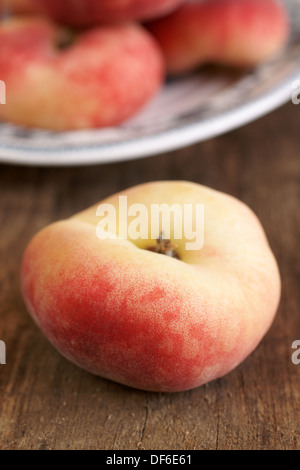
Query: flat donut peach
x: 123, y: 311
x: 231, y: 32
x: 104, y: 76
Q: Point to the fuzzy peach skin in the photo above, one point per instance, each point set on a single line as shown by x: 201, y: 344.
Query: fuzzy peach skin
x: 87, y: 12
x: 145, y: 319
x: 230, y: 32
x: 102, y: 78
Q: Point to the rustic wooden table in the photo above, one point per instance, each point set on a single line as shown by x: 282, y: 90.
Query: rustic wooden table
x: 48, y: 403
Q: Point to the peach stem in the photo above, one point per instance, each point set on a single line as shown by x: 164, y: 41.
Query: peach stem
x: 165, y: 247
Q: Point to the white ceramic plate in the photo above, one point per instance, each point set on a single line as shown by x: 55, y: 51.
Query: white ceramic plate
x: 186, y: 111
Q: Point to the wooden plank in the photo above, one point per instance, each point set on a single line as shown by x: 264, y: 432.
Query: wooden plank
x: 48, y: 403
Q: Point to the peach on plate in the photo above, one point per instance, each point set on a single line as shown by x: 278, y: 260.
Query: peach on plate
x: 62, y: 81
x: 231, y: 32
x: 120, y: 308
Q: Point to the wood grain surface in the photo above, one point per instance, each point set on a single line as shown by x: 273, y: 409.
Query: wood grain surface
x: 48, y: 403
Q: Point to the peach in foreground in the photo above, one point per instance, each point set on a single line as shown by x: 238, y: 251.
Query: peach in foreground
x: 125, y: 311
